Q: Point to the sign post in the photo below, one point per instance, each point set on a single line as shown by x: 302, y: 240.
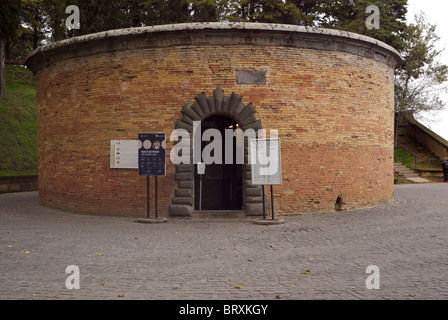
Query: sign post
x: 156, y: 213
x: 201, y: 172
x: 151, y: 162
x: 265, y: 155
x: 264, y: 203
x: 147, y: 197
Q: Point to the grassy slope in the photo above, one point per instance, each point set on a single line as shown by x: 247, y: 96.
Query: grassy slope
x: 18, y: 130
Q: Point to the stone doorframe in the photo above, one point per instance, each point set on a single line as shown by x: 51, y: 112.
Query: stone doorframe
x: 182, y: 200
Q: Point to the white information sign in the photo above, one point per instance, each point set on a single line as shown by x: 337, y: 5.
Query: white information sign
x: 201, y: 167
x: 124, y: 154
x: 265, y: 155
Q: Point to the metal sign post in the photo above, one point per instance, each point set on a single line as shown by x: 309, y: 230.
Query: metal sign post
x: 147, y: 197
x: 264, y: 203
x: 157, y: 215
x: 152, y: 162
x: 200, y: 193
x: 201, y: 172
x: 265, y: 155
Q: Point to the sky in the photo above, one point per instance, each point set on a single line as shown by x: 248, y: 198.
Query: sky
x: 437, y: 13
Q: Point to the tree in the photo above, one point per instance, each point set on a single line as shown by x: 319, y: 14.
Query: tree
x: 9, y: 21
x: 166, y: 12
x: 53, y: 13
x: 278, y: 11
x: 204, y: 10
x: 32, y: 21
x: 350, y: 15
x: 294, y: 12
x: 29, y: 33
x: 346, y: 15
x: 422, y: 78
x: 102, y: 15
x: 311, y: 10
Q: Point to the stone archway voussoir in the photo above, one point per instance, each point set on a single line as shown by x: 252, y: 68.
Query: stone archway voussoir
x: 182, y: 200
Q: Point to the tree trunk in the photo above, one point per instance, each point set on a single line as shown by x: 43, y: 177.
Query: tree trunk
x: 400, y: 119
x: 2, y: 68
x: 251, y: 9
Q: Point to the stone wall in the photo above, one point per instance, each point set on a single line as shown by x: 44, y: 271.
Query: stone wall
x: 18, y: 184
x: 330, y: 94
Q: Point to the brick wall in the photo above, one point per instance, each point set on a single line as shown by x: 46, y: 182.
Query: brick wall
x: 333, y: 110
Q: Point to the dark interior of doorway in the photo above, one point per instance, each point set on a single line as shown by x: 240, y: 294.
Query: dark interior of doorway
x: 222, y: 184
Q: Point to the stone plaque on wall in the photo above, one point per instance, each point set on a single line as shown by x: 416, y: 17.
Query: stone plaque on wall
x: 251, y: 77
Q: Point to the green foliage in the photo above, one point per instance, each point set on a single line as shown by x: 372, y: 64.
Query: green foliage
x: 9, y: 21
x: 349, y: 15
x: 9, y: 17
x: 18, y: 130
x: 101, y: 15
x: 32, y: 23
x: 401, y: 155
x: 294, y: 12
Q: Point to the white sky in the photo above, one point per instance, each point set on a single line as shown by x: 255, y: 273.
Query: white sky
x: 436, y: 12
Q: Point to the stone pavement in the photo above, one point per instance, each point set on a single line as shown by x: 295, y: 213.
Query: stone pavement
x: 315, y: 256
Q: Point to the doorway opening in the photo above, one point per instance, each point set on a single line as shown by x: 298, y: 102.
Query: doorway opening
x: 234, y: 188
x: 222, y: 184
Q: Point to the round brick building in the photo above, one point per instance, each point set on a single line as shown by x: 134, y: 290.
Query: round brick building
x: 330, y: 95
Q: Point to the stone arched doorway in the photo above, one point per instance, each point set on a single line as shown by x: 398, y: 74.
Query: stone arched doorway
x: 217, y: 107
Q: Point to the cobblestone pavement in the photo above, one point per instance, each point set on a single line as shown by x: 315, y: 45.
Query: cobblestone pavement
x: 316, y: 256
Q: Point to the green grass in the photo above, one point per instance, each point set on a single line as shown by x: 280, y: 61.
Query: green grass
x: 409, y: 159
x: 20, y: 72
x: 18, y: 130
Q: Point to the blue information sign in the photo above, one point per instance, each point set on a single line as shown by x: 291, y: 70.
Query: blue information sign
x: 151, y: 154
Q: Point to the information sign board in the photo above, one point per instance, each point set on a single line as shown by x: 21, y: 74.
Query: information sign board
x: 151, y: 154
x: 201, y: 168
x: 265, y: 155
x: 123, y: 154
